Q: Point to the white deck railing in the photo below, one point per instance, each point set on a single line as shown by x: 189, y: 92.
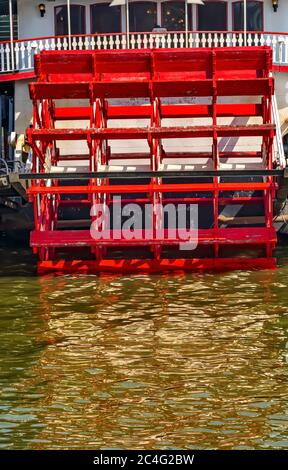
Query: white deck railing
x: 20, y: 57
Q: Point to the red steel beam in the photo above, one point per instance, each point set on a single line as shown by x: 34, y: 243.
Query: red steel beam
x: 167, y: 155
x: 226, y: 236
x: 47, y: 135
x: 149, y: 188
x: 229, y: 59
x: 143, y: 88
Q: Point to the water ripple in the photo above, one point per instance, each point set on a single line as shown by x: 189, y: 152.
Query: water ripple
x: 143, y: 361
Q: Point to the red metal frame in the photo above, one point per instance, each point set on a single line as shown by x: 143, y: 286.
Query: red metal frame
x: 11, y: 77
x: 153, y: 74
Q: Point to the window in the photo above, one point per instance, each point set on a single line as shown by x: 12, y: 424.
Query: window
x: 142, y: 16
x: 77, y: 20
x: 212, y: 16
x: 254, y: 16
x: 5, y: 21
x: 105, y: 19
x: 173, y: 16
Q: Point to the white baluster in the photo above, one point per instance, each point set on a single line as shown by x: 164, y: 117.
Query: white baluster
x: 203, y: 40
x: 32, y: 49
x: 268, y: 40
x: 221, y: 40
x: 53, y: 45
x: 117, y: 42
x: 163, y: 41
x: 59, y: 44
x: 93, y: 43
x: 209, y: 40
x: 124, y: 41
x: 2, y: 66
x: 234, y: 40
x: 281, y: 49
x: 169, y: 40
x: 240, y: 40
x: 99, y: 42
x: 274, y: 48
x: 27, y: 54
x: 74, y: 44
x: 262, y: 40
x: 105, y: 42
x: 47, y: 45
x: 175, y: 40
x: 228, y: 40
x: 80, y: 43
x: 138, y: 41
x: 249, y: 40
x: 132, y: 41
x: 197, y: 40
x: 145, y: 41
x: 157, y: 41
x: 286, y: 50
x: 7, y: 51
x: 215, y: 39
x: 111, y: 42
x: 151, y: 41
x: 67, y: 44
x: 12, y: 56
x: 17, y: 59
x: 256, y: 39
x: 190, y: 40
x: 86, y: 43
x: 181, y: 40
x: 41, y: 45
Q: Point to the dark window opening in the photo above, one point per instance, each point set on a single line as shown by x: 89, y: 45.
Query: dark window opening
x: 173, y: 16
x: 77, y: 20
x: 212, y: 16
x: 142, y: 16
x: 254, y: 16
x: 5, y: 20
x: 105, y: 19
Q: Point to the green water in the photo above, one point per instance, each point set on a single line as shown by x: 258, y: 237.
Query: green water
x: 192, y: 361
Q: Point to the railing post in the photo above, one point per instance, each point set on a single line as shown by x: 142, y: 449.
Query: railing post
x: 286, y: 50
x: 245, y: 22
x: 280, y: 49
x: 69, y: 23
x: 186, y: 23
x: 2, y: 59
x: 127, y: 23
x: 11, y: 35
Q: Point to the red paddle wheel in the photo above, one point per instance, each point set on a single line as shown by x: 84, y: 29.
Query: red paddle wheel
x: 151, y: 128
